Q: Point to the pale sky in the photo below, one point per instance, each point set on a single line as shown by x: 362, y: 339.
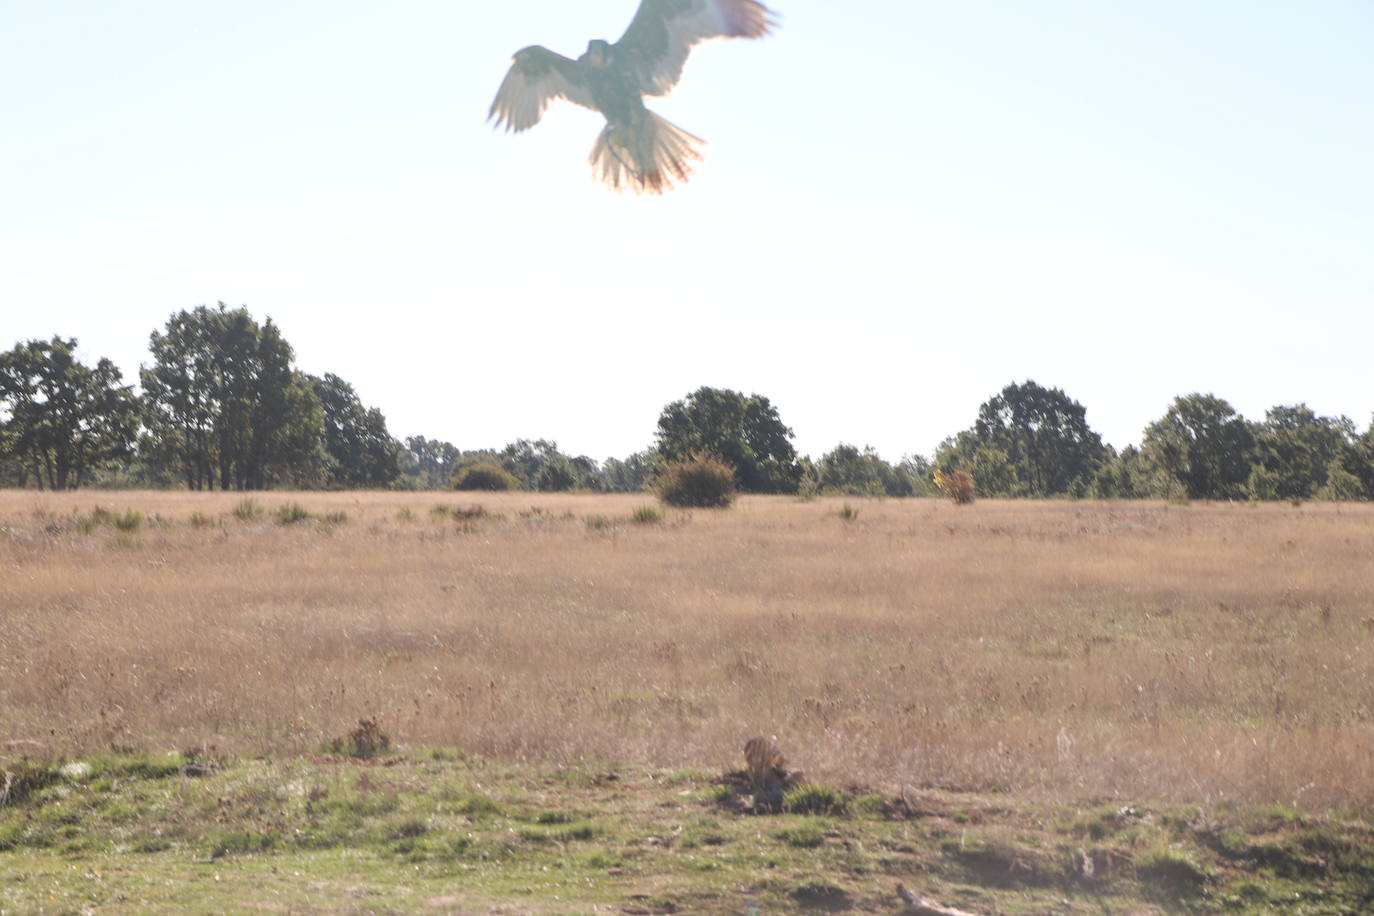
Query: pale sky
x: 905, y: 205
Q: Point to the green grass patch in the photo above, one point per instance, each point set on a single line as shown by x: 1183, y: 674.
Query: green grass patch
x: 446, y: 831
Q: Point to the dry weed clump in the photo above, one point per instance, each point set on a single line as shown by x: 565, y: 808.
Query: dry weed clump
x: 1068, y: 650
x: 956, y: 485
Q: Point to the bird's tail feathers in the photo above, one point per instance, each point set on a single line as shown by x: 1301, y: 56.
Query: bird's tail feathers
x: 647, y: 157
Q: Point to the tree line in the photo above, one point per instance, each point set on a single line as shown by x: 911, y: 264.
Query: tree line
x: 222, y: 406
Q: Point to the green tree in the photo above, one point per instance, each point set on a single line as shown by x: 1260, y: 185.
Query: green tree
x: 1050, y: 449
x: 1295, y: 450
x: 361, y: 451
x: 525, y: 458
x: 917, y: 472
x: 61, y: 419
x: 845, y: 469
x: 1125, y: 476
x: 630, y: 475
x: 539, y: 465
x: 1203, y: 446
x: 227, y: 407
x: 1358, y: 462
x: 428, y: 464
x: 745, y: 431
x: 556, y: 475
x: 991, y: 467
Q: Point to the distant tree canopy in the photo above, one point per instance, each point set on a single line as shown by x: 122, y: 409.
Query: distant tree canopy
x: 1202, y: 446
x: 539, y: 465
x: 847, y: 470
x: 1028, y: 441
x: 60, y: 420
x: 428, y: 464
x: 361, y: 451
x: 745, y: 431
x: 1296, y: 452
x: 632, y: 475
x: 225, y: 405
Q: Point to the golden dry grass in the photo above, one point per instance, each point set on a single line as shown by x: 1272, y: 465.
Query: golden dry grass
x: 1062, y: 649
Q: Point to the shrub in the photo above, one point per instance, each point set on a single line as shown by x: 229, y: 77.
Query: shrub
x: 957, y: 485
x: 848, y: 513
x: 703, y: 481
x: 485, y: 477
x: 364, y: 742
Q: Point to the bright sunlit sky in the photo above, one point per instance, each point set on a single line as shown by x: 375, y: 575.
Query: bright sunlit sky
x: 905, y: 205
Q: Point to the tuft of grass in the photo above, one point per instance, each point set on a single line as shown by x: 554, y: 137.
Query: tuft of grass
x: 848, y: 513
x: 815, y: 799
x: 598, y: 523
x: 200, y: 520
x: 291, y: 514
x: 646, y: 515
x: 127, y: 521
x: 246, y: 510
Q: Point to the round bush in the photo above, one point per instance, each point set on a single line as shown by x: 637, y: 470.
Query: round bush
x: 700, y: 482
x: 485, y: 477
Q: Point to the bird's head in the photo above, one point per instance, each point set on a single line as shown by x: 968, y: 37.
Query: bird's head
x: 598, y: 52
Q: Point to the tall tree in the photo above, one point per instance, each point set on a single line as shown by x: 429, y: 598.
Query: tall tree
x: 1295, y: 450
x: 361, y: 451
x: 1357, y: 466
x: 226, y: 404
x: 1125, y: 476
x: 60, y: 418
x: 1044, y: 433
x: 746, y: 431
x: 1203, y: 446
x: 631, y: 474
x: 428, y: 464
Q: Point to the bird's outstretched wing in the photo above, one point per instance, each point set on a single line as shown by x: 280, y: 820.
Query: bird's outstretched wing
x: 660, y: 37
x: 537, y: 77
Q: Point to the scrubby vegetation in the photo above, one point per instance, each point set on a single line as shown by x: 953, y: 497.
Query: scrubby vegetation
x: 487, y: 477
x: 703, y: 481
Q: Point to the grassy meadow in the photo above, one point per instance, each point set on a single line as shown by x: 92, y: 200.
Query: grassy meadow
x: 1046, y: 659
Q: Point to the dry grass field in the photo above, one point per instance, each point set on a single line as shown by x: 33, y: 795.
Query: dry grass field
x: 1062, y: 650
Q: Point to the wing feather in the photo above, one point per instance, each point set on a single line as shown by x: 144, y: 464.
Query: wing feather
x: 536, y: 78
x: 662, y: 34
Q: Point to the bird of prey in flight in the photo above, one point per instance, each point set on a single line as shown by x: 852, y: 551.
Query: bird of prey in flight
x: 638, y: 149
